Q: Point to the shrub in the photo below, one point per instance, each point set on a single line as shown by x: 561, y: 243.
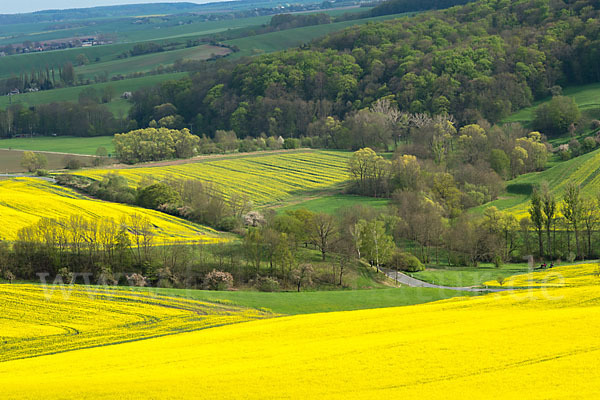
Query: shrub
x: 575, y: 147
x: 137, y: 280
x: 72, y: 163
x: 228, y: 224
x: 106, y: 277
x: 218, y: 280
x: 9, y: 276
x: 556, y: 116
x: 564, y: 155
x: 66, y: 275
x: 158, y: 194
x: 268, y: 284
x: 42, y: 172
x: 254, y: 218
x: 33, y: 161
x: 306, y: 141
x: 291, y: 143
x: 589, y: 144
x: 405, y: 262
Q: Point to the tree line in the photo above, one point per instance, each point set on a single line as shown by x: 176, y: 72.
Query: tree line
x: 277, y: 250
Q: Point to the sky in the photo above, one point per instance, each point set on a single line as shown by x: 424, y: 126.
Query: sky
x: 24, y: 6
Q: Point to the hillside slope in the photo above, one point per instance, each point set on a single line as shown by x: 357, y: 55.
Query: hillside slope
x: 52, y: 319
x: 24, y: 202
x: 264, y: 178
x: 583, y: 171
x: 536, y: 344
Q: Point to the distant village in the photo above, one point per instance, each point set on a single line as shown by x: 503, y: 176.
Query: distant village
x: 36, y: 47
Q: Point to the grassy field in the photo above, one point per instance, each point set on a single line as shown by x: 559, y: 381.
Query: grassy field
x: 126, y: 28
x: 61, y: 144
x: 465, y: 277
x: 24, y: 201
x: 117, y: 105
x: 583, y: 171
x: 293, y: 303
x: 332, y: 203
x: 10, y: 161
x: 128, y: 32
x: 534, y: 344
x: 265, y: 178
x: 586, y: 96
x: 148, y: 62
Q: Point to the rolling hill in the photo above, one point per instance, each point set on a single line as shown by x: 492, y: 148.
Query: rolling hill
x: 25, y: 201
x: 583, y: 171
x: 264, y: 177
x: 537, y: 344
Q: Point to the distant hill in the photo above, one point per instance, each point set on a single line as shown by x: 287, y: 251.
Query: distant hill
x: 132, y: 10
x: 404, y: 6
x: 99, y: 12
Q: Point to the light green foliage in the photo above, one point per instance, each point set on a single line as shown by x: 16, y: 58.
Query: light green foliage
x: 153, y: 144
x: 376, y: 245
x: 402, y: 261
x: 500, y: 162
x: 33, y: 161
x: 369, y: 171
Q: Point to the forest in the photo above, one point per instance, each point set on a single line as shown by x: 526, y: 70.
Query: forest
x: 483, y: 60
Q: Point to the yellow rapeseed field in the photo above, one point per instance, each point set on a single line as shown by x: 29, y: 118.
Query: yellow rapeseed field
x: 264, y: 178
x: 24, y: 201
x: 40, y: 319
x: 527, y: 344
x: 568, y: 275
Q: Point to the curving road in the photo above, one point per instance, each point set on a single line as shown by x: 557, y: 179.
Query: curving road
x: 44, y: 178
x: 404, y: 279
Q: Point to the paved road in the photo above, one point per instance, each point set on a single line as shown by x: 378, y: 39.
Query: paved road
x: 412, y: 282
x: 44, y: 178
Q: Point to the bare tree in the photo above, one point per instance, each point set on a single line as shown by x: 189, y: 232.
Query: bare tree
x: 322, y: 231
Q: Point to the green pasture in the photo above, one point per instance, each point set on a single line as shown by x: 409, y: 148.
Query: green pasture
x: 468, y: 276
x: 321, y: 301
x: 60, y: 144
x: 148, y: 62
x: 586, y: 96
x: 583, y: 171
x: 117, y: 105
x: 332, y: 203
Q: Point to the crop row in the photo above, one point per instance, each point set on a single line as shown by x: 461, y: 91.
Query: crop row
x: 264, y: 179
